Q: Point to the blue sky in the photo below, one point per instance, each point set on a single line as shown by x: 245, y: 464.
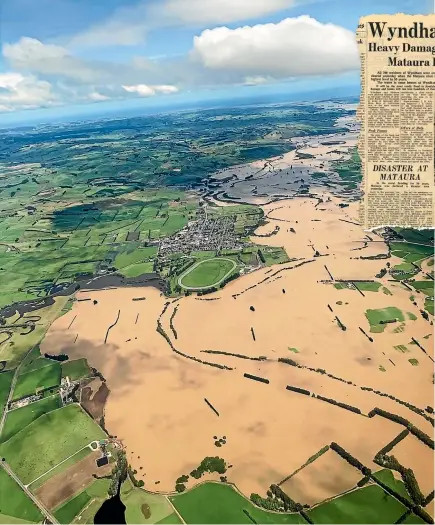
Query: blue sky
x: 60, y: 54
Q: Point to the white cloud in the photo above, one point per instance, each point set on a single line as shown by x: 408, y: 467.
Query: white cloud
x: 220, y: 11
x: 97, y: 97
x: 149, y: 91
x: 24, y: 92
x: 298, y: 46
x: 30, y: 54
x: 166, y: 90
x: 130, y: 25
x: 255, y: 81
x: 141, y: 89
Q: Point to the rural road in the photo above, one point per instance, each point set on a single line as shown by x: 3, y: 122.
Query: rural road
x: 35, y: 500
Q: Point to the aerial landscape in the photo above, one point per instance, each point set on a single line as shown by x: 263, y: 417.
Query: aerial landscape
x: 193, y: 318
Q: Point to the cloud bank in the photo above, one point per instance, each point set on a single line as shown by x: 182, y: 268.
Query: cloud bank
x: 43, y: 74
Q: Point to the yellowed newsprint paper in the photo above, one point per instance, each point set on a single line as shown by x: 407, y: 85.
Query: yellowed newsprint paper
x: 396, y: 112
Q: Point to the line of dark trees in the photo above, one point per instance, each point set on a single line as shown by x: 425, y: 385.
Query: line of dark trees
x: 60, y: 357
x: 241, y: 356
x: 419, y: 434
x: 389, y: 446
x: 257, y: 378
x: 339, y: 404
x: 350, y: 459
x: 298, y: 390
x: 272, y: 275
x: 253, y: 334
x: 171, y: 322
x: 112, y: 325
x: 162, y: 332
x: 412, y: 407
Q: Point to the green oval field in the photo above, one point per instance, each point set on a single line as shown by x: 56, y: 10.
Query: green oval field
x: 207, y: 273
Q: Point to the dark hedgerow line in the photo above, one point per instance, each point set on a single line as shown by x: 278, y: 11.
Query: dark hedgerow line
x: 162, y: 332
x: 111, y: 326
x: 240, y: 356
x: 171, y: 322
x: 411, y: 407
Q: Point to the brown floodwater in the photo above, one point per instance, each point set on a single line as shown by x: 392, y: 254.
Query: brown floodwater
x: 156, y: 403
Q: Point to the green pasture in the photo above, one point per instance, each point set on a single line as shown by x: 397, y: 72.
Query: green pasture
x: 39, y: 379
x: 411, y: 252
x: 387, y: 477
x: 133, y: 498
x: 14, y: 502
x: 406, y: 271
x: 48, y: 440
x: 5, y: 386
x: 19, y: 418
x: 370, y: 504
x: 66, y: 512
x: 427, y: 287
x: 375, y: 317
x: 78, y: 456
x: 75, y: 369
x: 221, y: 503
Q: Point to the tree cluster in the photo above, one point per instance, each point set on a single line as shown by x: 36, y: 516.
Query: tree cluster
x: 119, y: 472
x: 407, y: 474
x: 131, y: 475
x: 287, y: 502
x: 209, y: 464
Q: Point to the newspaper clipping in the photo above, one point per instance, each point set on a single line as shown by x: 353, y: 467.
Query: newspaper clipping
x: 396, y: 111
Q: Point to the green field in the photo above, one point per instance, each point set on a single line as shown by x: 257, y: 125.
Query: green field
x: 133, y: 256
x: 368, y: 286
x: 219, y: 503
x: 133, y: 498
x: 406, y: 269
x: 15, y: 503
x: 428, y: 305
x: 76, y: 369
x: 5, y: 386
x: 19, y: 418
x: 387, y: 477
x: 383, y: 314
x: 427, y: 287
x: 274, y: 255
x: 411, y: 252
x: 137, y: 269
x: 34, y: 361
x: 370, y: 504
x: 66, y: 512
x: 39, y: 379
x: 69, y: 510
x: 49, y: 440
x: 207, y: 273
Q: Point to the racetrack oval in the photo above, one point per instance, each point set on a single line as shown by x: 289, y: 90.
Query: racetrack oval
x: 207, y: 273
